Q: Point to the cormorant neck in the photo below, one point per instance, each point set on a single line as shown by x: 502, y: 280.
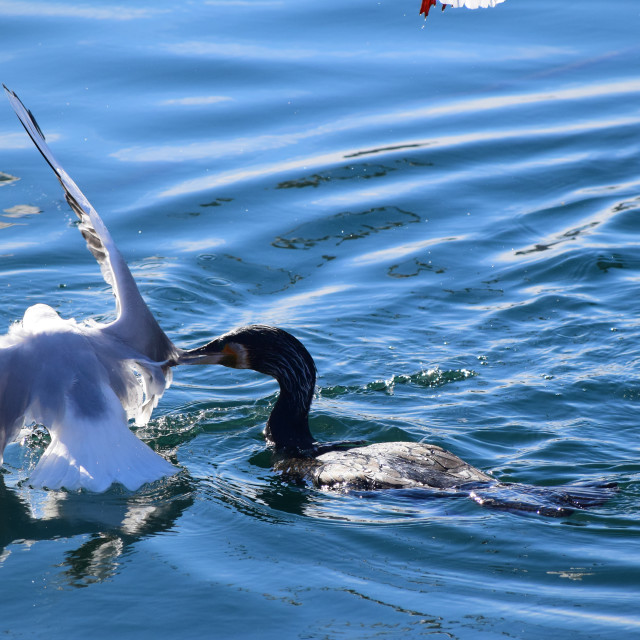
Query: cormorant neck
x: 288, y: 425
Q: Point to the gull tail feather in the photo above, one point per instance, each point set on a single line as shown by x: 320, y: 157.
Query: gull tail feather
x: 94, y: 452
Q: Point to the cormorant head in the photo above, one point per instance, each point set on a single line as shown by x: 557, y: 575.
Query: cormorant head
x: 265, y: 349
x: 276, y: 353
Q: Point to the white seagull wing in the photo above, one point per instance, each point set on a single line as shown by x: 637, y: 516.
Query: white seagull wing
x: 134, y: 325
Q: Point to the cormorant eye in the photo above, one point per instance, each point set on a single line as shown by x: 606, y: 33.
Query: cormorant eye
x: 229, y: 356
x: 235, y: 355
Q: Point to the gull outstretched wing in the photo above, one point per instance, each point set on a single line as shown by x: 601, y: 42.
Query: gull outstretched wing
x: 135, y: 324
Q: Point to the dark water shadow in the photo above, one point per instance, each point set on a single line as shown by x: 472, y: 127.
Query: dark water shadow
x: 345, y: 226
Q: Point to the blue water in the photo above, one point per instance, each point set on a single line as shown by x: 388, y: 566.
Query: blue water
x: 446, y: 212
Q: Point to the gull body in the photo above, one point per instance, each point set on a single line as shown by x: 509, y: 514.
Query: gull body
x: 85, y: 380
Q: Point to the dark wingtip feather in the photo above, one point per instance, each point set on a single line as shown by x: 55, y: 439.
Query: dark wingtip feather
x: 14, y: 95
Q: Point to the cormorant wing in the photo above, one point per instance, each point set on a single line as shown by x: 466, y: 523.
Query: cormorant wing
x: 135, y: 325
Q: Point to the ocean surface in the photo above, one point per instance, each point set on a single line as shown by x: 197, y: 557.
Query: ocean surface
x: 445, y: 211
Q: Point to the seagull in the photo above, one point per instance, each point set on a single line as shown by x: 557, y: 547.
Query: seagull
x: 469, y: 4
x: 84, y: 380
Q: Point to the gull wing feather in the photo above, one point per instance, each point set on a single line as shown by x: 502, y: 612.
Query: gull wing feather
x: 134, y: 325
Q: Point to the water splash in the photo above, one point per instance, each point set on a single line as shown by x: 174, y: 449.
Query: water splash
x: 429, y: 379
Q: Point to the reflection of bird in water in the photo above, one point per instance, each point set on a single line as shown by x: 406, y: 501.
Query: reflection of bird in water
x: 344, y: 465
x: 84, y: 380
x: 105, y: 526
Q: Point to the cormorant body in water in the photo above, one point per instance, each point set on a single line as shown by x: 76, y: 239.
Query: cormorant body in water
x: 349, y: 466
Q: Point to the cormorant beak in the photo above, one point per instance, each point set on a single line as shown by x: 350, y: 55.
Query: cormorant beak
x: 207, y: 354
x: 196, y: 356
x: 212, y: 353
